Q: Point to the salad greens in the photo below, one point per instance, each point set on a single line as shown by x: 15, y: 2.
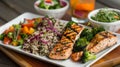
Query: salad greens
x: 49, y: 4
x: 17, y: 33
x: 10, y: 35
x: 105, y: 15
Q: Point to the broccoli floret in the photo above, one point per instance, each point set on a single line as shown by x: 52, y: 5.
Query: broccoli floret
x: 87, y: 56
x: 87, y: 33
x: 80, y: 44
x: 97, y: 30
x: 90, y: 33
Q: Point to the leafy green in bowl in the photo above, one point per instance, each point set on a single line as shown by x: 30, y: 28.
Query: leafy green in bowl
x: 107, y: 16
x: 51, y: 4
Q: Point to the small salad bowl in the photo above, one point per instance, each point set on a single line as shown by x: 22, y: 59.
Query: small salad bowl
x: 113, y: 26
x: 56, y: 12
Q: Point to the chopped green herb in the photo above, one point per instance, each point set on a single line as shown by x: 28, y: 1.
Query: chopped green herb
x: 105, y: 15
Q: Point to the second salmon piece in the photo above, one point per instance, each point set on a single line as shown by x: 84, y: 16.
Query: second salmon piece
x: 63, y: 49
x: 101, y: 41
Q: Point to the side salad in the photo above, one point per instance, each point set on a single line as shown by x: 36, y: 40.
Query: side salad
x: 51, y: 4
x: 105, y: 15
x: 17, y: 33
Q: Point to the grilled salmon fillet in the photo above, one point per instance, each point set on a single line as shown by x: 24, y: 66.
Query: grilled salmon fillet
x: 101, y: 41
x: 63, y: 49
x: 76, y: 56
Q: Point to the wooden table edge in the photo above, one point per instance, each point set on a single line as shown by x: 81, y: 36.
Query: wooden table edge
x: 20, y: 61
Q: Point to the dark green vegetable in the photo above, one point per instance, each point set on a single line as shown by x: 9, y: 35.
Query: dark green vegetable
x: 57, y: 6
x: 41, y: 5
x: 87, y: 56
x: 96, y: 30
x: 81, y: 43
x: 2, y: 36
x: 88, y: 34
x: 23, y: 35
x: 105, y: 15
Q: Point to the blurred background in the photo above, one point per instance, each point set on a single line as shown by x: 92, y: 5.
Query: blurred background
x: 111, y: 3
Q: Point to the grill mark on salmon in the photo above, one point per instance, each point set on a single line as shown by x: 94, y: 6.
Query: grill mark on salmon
x: 76, y: 56
x: 71, y: 35
x: 65, y: 40
x: 101, y: 41
x: 76, y: 28
x: 63, y: 49
x: 68, y: 30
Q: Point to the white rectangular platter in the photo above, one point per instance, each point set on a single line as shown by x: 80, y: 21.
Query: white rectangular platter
x: 66, y: 63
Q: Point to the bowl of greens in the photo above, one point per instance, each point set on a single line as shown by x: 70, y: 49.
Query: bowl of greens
x: 54, y: 8
x: 109, y: 18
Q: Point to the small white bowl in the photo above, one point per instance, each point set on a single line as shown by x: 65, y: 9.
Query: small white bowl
x: 112, y: 26
x: 56, y: 13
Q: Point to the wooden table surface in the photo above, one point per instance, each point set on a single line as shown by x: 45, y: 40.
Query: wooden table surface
x: 9, y: 9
